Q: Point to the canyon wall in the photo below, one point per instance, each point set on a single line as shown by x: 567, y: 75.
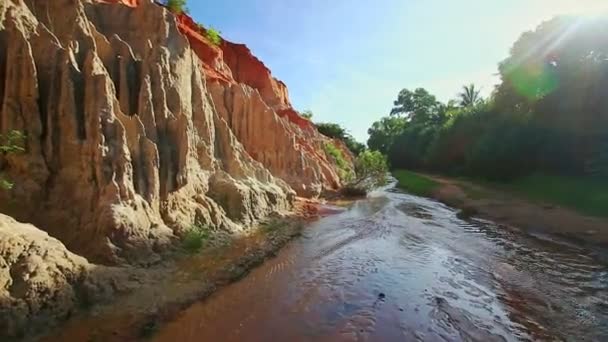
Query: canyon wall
x: 138, y: 127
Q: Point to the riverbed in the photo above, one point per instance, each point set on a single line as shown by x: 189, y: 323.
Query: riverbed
x: 397, y: 267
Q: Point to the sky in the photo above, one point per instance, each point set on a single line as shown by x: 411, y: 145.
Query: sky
x: 346, y: 60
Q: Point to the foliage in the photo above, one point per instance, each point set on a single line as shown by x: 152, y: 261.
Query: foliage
x: 335, y: 131
x: 371, y: 165
x: 214, y: 36
x: 194, y: 239
x: 345, y: 172
x: 177, y: 6
x: 331, y: 130
x: 415, y: 183
x: 548, y: 115
x: 418, y: 106
x: 382, y: 134
x: 308, y: 114
x: 470, y: 96
x: 371, y: 169
x: 9, y: 144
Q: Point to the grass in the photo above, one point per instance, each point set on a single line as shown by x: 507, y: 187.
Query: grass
x: 587, y: 196
x: 194, y: 239
x: 272, y: 225
x: 415, y: 183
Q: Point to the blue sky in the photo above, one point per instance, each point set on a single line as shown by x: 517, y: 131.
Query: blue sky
x: 346, y: 60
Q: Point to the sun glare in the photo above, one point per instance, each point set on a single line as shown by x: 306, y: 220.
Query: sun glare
x: 579, y: 7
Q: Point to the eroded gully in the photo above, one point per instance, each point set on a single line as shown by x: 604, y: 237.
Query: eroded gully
x: 396, y: 267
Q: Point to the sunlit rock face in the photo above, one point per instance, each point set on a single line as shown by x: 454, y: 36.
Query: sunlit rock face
x: 137, y: 127
x: 124, y: 146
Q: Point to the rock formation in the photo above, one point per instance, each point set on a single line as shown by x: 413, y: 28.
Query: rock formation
x: 40, y: 280
x: 137, y: 127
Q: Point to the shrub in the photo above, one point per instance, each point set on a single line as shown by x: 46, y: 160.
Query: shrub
x: 344, y: 170
x: 177, y: 6
x: 194, y: 239
x: 214, y: 36
x: 10, y: 143
x: 371, y: 168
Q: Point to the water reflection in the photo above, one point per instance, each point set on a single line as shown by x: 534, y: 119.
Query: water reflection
x: 399, y: 267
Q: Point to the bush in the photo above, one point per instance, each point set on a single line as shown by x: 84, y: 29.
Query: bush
x: 344, y: 170
x: 371, y: 169
x: 177, y: 6
x: 194, y: 239
x: 214, y: 36
x: 10, y: 143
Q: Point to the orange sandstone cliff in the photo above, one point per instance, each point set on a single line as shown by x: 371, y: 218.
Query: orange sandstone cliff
x: 137, y: 127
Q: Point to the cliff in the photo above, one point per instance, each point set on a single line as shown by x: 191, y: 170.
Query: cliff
x: 137, y: 127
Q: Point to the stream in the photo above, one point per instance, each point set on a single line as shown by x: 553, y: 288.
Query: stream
x: 397, y: 267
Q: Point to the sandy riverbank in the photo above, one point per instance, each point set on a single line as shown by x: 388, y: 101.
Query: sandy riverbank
x: 167, y: 289
x: 509, y: 209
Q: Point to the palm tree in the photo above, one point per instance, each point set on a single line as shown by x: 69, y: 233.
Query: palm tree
x: 469, y: 96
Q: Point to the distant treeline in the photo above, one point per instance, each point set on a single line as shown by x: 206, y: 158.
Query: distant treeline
x: 549, y: 114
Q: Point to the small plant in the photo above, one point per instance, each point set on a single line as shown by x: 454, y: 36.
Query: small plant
x: 195, y: 238
x: 272, y: 225
x: 177, y: 6
x: 214, y: 36
x: 10, y: 143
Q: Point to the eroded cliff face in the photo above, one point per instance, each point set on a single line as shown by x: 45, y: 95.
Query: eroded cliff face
x: 124, y: 144
x: 256, y: 106
x: 137, y: 127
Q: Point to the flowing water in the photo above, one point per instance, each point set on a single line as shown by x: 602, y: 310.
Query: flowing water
x: 395, y: 267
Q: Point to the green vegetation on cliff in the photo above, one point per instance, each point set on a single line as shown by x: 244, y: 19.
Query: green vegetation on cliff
x: 177, y: 6
x: 9, y: 144
x: 344, y: 170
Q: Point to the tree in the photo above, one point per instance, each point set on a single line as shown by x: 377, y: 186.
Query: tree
x: 469, y: 96
x: 417, y: 106
x: 371, y: 169
x: 9, y: 144
x: 331, y: 130
x: 383, y: 133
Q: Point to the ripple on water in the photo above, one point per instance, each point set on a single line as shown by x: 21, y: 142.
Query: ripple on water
x: 398, y: 267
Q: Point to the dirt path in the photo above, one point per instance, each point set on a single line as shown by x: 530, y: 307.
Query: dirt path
x: 509, y: 209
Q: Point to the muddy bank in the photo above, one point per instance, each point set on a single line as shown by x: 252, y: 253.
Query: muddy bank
x: 477, y: 200
x: 167, y: 289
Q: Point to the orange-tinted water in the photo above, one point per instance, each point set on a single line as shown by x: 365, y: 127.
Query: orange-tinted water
x: 396, y: 267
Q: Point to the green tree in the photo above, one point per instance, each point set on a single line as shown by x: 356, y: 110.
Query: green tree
x: 331, y: 130
x: 418, y: 106
x: 371, y: 169
x: 382, y: 134
x: 469, y: 96
x: 9, y: 144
